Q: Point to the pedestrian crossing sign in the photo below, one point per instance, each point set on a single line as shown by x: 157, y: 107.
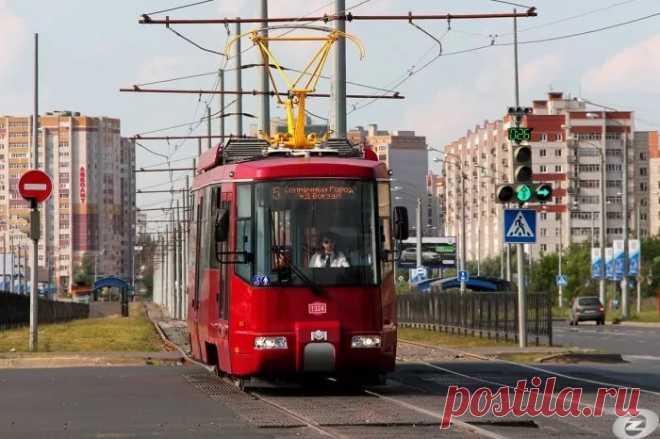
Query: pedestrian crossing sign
x: 520, y: 226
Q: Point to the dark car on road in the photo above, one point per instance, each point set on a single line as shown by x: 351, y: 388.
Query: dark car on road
x: 587, y: 308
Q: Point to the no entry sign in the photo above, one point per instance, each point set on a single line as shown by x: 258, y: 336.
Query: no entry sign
x: 35, y: 185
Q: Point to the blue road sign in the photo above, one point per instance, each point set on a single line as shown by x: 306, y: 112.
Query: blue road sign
x: 418, y: 275
x: 520, y: 226
x: 561, y: 280
x: 463, y: 276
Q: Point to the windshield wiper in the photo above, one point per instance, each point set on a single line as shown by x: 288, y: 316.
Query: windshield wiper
x: 316, y: 289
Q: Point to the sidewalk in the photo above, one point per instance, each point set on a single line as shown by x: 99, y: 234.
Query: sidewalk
x: 24, y: 360
x: 176, y: 331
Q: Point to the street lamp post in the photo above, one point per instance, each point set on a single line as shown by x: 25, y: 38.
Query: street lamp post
x: 603, y: 215
x: 624, y: 281
x: 462, y: 177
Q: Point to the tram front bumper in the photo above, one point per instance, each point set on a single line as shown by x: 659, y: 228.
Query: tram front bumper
x: 313, y: 347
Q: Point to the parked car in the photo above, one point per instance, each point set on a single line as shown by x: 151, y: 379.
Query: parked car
x: 587, y: 308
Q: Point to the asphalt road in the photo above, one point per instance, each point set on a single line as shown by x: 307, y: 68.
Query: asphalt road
x: 182, y: 402
x: 635, y: 343
x: 112, y: 402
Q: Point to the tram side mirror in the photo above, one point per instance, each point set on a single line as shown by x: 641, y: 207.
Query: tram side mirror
x: 222, y: 226
x: 401, y: 231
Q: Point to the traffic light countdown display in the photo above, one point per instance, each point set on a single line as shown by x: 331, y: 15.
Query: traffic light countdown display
x: 522, y: 190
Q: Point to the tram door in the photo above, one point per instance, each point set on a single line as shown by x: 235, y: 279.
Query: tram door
x: 194, y: 255
x: 222, y: 299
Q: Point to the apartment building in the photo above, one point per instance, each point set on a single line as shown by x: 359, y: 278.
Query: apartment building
x: 92, y: 205
x: 567, y: 140
x: 650, y: 138
x: 406, y: 155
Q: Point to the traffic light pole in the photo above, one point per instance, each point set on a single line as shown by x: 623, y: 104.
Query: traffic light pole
x: 522, y: 294
x: 34, y: 214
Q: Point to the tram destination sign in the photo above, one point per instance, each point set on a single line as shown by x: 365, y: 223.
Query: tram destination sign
x: 313, y: 192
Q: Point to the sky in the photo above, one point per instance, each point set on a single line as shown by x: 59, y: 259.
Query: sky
x: 91, y: 48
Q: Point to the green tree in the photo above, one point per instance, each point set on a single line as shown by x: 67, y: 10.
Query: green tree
x: 650, y: 270
x: 544, y: 272
x: 83, y: 272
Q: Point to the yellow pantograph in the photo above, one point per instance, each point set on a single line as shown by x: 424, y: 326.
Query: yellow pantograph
x: 298, y: 90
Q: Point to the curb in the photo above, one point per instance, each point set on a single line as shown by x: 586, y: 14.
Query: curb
x: 575, y: 357
x: 176, y: 347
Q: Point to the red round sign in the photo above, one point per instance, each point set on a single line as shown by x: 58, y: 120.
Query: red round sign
x: 35, y: 185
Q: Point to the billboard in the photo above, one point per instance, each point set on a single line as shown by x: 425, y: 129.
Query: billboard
x: 609, y: 263
x: 436, y: 252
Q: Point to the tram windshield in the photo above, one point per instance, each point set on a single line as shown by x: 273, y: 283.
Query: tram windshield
x: 315, y: 231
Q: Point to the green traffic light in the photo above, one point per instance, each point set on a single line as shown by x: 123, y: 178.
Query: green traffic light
x: 523, y: 193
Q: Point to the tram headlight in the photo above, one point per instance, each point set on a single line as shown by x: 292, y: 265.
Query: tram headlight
x: 270, y: 343
x: 365, y: 341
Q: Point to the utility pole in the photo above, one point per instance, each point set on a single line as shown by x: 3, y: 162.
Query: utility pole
x: 34, y: 214
x: 602, y: 284
x: 463, y: 241
x: 221, y: 80
x: 179, y: 259
x: 208, y: 126
x: 625, y: 314
x: 418, y: 225
x: 561, y: 250
x: 639, y: 264
x: 239, y: 83
x: 264, y: 117
x: 340, y: 74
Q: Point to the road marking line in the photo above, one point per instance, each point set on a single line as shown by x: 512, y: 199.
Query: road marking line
x: 642, y: 357
x: 455, y: 421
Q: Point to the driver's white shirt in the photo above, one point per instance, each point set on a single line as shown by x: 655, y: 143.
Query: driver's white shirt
x: 337, y: 259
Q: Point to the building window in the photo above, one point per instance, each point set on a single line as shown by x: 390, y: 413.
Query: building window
x: 543, y: 231
x: 557, y: 168
x: 642, y: 156
x: 544, y: 216
x: 558, y: 150
x: 589, y: 168
x: 589, y: 184
x: 614, y: 168
x: 542, y: 152
x: 614, y: 183
x: 544, y: 248
x: 643, y: 187
x: 543, y: 168
x: 643, y: 172
x: 544, y: 137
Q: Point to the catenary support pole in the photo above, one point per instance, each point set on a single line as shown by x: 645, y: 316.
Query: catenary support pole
x: 625, y: 311
x: 239, y: 83
x: 221, y: 81
x: 340, y: 74
x: 602, y: 284
x: 208, y: 126
x: 264, y: 109
x: 419, y: 235
x: 34, y: 219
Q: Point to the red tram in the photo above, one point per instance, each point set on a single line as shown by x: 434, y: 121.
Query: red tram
x: 262, y: 301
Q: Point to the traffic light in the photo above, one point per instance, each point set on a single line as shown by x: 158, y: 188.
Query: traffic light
x: 543, y: 192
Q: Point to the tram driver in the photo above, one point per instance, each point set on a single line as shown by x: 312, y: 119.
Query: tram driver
x: 327, y: 256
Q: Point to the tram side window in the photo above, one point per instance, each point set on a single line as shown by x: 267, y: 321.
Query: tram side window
x: 244, y: 227
x: 385, y: 228
x: 208, y: 257
x: 197, y: 249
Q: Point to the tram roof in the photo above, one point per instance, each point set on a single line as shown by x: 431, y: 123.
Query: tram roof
x: 276, y: 168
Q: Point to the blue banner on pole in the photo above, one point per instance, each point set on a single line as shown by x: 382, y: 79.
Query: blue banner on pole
x: 609, y: 263
x: 619, y: 258
x: 634, y: 254
x: 596, y: 264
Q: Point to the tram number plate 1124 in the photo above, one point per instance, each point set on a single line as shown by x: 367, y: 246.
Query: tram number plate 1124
x: 317, y: 308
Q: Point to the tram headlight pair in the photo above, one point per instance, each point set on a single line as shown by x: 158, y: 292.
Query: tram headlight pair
x: 270, y: 343
x: 365, y: 341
